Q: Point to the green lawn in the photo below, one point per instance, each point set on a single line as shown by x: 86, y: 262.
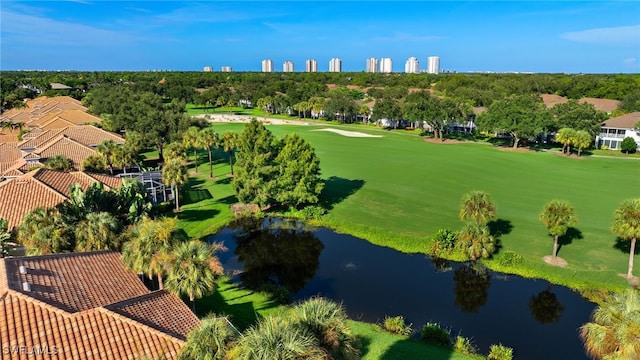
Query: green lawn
x: 397, y: 190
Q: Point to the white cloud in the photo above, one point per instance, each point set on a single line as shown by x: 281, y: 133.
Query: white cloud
x: 621, y: 35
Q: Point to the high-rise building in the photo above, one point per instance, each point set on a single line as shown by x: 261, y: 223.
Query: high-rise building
x: 433, y: 65
x: 287, y: 66
x: 226, y: 69
x: 335, y: 65
x: 207, y: 69
x: 386, y: 65
x: 372, y: 65
x: 267, y: 65
x: 311, y: 65
x: 412, y: 66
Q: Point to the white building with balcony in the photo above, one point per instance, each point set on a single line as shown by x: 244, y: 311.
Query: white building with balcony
x: 372, y: 65
x: 614, y: 130
x: 412, y: 66
x: 311, y: 65
x: 335, y: 65
x: 386, y: 65
x: 287, y: 66
x: 433, y: 64
x: 267, y: 65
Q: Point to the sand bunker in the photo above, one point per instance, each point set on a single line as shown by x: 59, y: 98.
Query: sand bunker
x: 348, y: 133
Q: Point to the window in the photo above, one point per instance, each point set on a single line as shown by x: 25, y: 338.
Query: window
x: 614, y: 144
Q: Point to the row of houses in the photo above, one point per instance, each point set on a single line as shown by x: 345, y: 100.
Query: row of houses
x: 76, y: 305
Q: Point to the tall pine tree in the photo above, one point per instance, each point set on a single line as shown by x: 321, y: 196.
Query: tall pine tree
x: 298, y: 172
x: 255, y: 178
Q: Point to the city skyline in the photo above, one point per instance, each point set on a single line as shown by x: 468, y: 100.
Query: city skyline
x: 503, y: 36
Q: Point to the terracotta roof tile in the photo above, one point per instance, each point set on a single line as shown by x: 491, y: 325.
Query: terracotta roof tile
x: 72, y: 282
x: 56, y: 123
x: 39, y: 138
x: 551, y: 100
x: 62, y: 181
x: 108, y: 180
x: 90, y: 135
x: 8, y: 135
x: 21, y: 195
x: 129, y: 329
x: 154, y: 310
x: 64, y: 146
x: 9, y: 153
x: 627, y: 121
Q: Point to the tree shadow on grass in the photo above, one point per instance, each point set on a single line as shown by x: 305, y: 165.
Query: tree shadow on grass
x: 337, y: 189
x: 224, y: 179
x: 625, y: 246
x: 566, y: 239
x: 227, y: 200
x: 194, y: 215
x: 241, y: 315
x: 416, y: 349
x: 499, y: 227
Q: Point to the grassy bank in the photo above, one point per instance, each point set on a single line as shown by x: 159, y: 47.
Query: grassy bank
x: 245, y: 307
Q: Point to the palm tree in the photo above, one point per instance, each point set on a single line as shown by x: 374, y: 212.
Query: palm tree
x: 59, y: 163
x: 277, y: 337
x: 327, y: 321
x: 476, y: 241
x: 43, y: 232
x: 210, y: 341
x: 558, y: 216
x: 5, y: 235
x: 566, y: 136
x: 108, y: 150
x: 229, y: 143
x: 209, y: 139
x: 614, y: 332
x: 174, y: 174
x: 97, y: 232
x: 478, y: 207
x: 193, y: 270
x: 191, y: 139
x: 146, y: 239
x: 626, y: 225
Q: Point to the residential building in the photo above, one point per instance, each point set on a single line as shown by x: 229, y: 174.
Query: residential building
x: 287, y: 66
x: 208, y: 69
x: 267, y: 65
x: 614, y: 130
x: 386, y: 65
x: 335, y: 65
x: 433, y: 65
x: 372, y: 65
x: 43, y: 188
x: 412, y: 66
x: 311, y: 65
x: 226, y: 69
x: 86, y: 305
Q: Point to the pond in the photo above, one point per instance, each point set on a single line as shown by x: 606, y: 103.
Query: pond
x: 538, y: 320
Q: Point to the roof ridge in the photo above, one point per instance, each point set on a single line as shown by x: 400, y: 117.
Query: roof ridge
x: 40, y: 303
x: 39, y: 170
x: 55, y: 140
x: 133, y: 300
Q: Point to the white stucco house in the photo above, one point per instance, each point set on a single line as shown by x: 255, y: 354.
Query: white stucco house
x: 614, y: 130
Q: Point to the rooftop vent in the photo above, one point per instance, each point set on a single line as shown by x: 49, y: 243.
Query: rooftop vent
x: 26, y: 286
x: 23, y: 269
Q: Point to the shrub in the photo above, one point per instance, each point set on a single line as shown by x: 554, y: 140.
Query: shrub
x: 312, y: 212
x: 396, y: 325
x: 433, y: 333
x: 500, y: 352
x: 446, y: 238
x: 464, y: 345
x: 279, y: 294
x: 510, y: 258
x: 628, y: 145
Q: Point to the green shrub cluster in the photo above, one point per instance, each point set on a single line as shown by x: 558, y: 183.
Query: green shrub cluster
x: 510, y: 258
x: 312, y: 212
x: 464, y: 345
x: 443, y: 241
x: 500, y: 352
x: 396, y: 325
x: 433, y: 333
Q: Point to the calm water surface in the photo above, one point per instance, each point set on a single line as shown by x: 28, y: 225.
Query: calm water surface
x: 538, y: 320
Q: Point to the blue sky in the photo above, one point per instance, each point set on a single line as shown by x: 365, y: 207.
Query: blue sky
x: 558, y: 36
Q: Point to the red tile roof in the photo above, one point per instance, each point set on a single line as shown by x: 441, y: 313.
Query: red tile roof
x: 154, y: 310
x: 62, y: 145
x: 606, y: 105
x: 70, y: 313
x: 43, y: 188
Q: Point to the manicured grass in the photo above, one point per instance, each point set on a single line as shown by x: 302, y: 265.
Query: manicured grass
x: 245, y: 307
x: 615, y: 153
x: 398, y: 190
